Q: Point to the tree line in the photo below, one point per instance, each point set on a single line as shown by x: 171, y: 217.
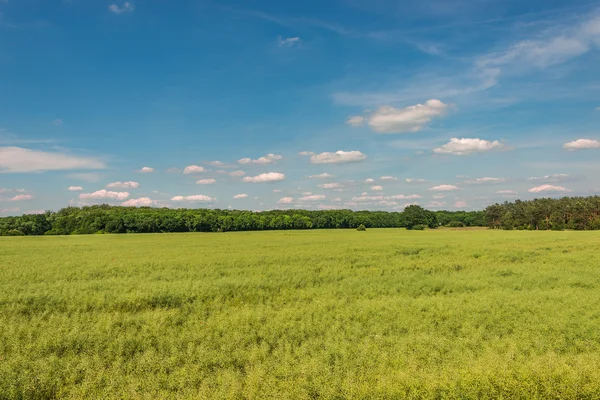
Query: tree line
x: 575, y: 213
x: 115, y: 219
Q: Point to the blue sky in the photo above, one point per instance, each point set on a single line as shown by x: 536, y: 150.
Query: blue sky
x: 453, y: 104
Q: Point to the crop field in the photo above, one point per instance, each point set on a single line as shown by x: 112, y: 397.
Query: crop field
x: 327, y: 314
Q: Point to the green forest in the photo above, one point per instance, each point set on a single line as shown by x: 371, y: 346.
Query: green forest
x: 574, y: 213
x: 112, y: 219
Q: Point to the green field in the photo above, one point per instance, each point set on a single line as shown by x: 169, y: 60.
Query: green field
x: 334, y: 314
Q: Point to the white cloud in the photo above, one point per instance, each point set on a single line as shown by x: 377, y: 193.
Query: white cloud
x: 410, y: 180
x: 206, y: 181
x: 552, y: 178
x: 582, y: 144
x: 126, y: 8
x: 403, y: 197
x: 487, y: 179
x: 21, y: 197
x: 388, y: 119
x: 237, y: 173
x: 328, y: 207
x: 147, y: 170
x: 553, y: 47
x: 466, y: 146
x: 377, y: 188
x: 339, y: 157
x: 436, y: 204
x: 123, y: 185
x: 75, y: 188
x: 460, y: 204
x: 193, y: 169
x: 306, y: 153
x: 313, y: 197
x: 444, y: 188
x: 388, y: 178
x: 195, y: 197
x: 438, y: 196
x: 288, y: 42
x: 268, y: 159
x: 104, y: 194
x: 330, y: 186
x: 268, y: 177
x: 277, y: 190
x: 286, y: 200
x: 511, y: 192
x: 18, y: 159
x: 9, y: 210
x: 369, y: 180
x: 216, y: 163
x: 356, y: 120
x: 240, y: 196
x: 141, y: 202
x: 548, y: 188
x: 324, y: 175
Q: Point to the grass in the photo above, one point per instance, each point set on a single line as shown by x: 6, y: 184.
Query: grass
x: 382, y: 314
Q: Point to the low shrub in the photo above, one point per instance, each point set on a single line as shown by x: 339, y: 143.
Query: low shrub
x: 418, y: 228
x: 455, y: 224
x: 361, y: 228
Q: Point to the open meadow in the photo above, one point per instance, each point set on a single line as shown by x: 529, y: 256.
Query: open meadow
x: 323, y: 314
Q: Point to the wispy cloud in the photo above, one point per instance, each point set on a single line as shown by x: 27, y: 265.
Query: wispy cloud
x: 18, y: 159
x: 127, y: 7
x: 288, y: 42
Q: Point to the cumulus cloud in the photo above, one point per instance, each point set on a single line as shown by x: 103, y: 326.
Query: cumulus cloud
x: 18, y: 159
x: 240, y: 196
x: 438, y: 196
x: 268, y: 177
x: 548, y: 188
x: 123, y: 185
x: 444, y: 188
x: 21, y: 197
x: 286, y: 200
x: 237, y: 173
x: 206, y: 181
x: 466, y: 146
x: 369, y: 180
x: 141, y: 202
x: 147, y: 170
x: 288, y: 42
x: 581, y: 144
x: 75, y: 188
x: 312, y: 197
x: 339, y: 157
x: 330, y: 186
x: 306, y: 153
x: 268, y: 159
x: 127, y: 7
x: 364, y: 198
x: 104, y: 194
x: 377, y: 188
x: 324, y: 175
x: 404, y: 197
x: 194, y: 198
x: 388, y: 178
x: 416, y: 181
x: 552, y: 178
x: 356, y: 120
x: 487, y: 179
x: 193, y: 169
x: 388, y: 119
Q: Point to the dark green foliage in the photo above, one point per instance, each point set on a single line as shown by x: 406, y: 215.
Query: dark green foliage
x: 455, y: 224
x: 111, y: 219
x: 576, y: 213
x: 361, y: 228
x: 418, y: 227
x: 417, y: 215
